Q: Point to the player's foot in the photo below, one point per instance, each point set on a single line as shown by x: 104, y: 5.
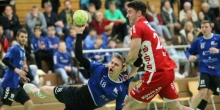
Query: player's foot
x: 31, y: 88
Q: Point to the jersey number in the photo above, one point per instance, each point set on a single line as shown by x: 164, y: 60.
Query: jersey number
x: 103, y: 83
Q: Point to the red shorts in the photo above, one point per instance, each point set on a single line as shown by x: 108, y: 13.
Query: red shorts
x: 156, y: 83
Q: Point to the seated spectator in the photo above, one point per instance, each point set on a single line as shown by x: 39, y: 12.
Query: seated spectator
x: 52, y: 18
x: 217, y: 26
x: 188, y: 28
x: 111, y: 45
x: 119, y: 3
x: 3, y: 40
x: 209, y: 14
x: 100, y: 23
x: 115, y: 14
x: 38, y: 45
x: 169, y: 18
x: 10, y: 22
x: 52, y: 42
x: 153, y: 17
x: 201, y: 18
x: 70, y: 40
x: 97, y: 56
x: 214, y: 6
x: 35, y: 18
x: 182, y: 14
x: 90, y: 38
x: 190, y: 38
x: 84, y: 4
x: 66, y: 16
x: 63, y: 65
x: 91, y: 11
x: 182, y: 2
x: 55, y: 5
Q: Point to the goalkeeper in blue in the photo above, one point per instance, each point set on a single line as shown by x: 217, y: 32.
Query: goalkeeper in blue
x: 208, y: 49
x: 104, y: 85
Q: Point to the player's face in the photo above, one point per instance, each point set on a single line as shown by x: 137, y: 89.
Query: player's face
x: 206, y: 29
x: 115, y: 67
x: 22, y: 39
x: 132, y: 16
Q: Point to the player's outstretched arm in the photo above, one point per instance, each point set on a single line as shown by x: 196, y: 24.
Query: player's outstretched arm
x: 78, y: 48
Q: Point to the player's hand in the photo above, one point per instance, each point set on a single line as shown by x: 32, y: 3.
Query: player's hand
x: 79, y: 29
x: 24, y: 79
x: 214, y: 50
x: 192, y: 58
x: 20, y: 72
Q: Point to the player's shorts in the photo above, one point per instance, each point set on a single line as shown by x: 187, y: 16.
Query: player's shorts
x: 17, y: 94
x: 151, y: 84
x: 75, y: 98
x: 210, y: 81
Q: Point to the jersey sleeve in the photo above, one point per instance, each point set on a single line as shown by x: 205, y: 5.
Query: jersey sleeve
x: 136, y: 31
x: 193, y: 48
x: 12, y: 52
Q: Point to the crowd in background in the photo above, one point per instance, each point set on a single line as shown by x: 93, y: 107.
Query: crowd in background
x: 51, y: 36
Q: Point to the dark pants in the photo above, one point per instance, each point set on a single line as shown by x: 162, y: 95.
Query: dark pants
x: 46, y: 56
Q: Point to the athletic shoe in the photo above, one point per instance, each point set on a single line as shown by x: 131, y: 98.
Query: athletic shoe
x: 31, y: 88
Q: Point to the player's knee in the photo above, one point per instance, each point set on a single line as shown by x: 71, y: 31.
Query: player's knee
x: 208, y: 94
x: 203, y: 92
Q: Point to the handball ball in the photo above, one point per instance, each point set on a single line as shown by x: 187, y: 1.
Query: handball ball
x: 80, y: 17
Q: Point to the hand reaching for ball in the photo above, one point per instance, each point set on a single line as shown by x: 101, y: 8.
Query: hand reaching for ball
x: 79, y: 29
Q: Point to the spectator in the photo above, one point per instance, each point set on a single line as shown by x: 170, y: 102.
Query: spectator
x: 10, y: 22
x: 52, y: 18
x: 35, y: 18
x: 171, y: 3
x: 115, y: 14
x: 38, y: 46
x: 188, y: 17
x: 201, y: 18
x: 91, y: 38
x: 97, y: 56
x: 111, y: 45
x: 100, y: 23
x: 91, y: 11
x: 63, y: 66
x: 214, y: 6
x: 3, y: 40
x: 184, y: 1
x: 119, y: 3
x: 153, y: 17
x: 182, y: 14
x: 55, y: 5
x: 217, y: 26
x: 2, y: 65
x: 169, y: 18
x: 66, y: 16
x: 188, y: 28
x: 70, y: 40
x: 209, y: 15
x: 84, y: 4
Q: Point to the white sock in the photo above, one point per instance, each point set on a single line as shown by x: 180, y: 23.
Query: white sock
x: 40, y: 95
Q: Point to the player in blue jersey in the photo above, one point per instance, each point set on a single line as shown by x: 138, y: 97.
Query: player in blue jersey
x: 105, y: 83
x: 208, y: 49
x: 14, y: 59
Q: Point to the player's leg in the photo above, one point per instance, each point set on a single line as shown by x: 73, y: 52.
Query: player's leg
x: 203, y: 90
x: 130, y: 103
x: 145, y: 90
x: 203, y: 103
x: 31, y: 88
x: 47, y: 91
x: 170, y: 97
x: 8, y: 96
x: 23, y: 98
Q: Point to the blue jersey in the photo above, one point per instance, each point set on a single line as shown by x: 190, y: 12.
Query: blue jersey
x: 103, y: 89
x: 35, y: 43
x: 61, y: 59
x: 50, y: 42
x: 16, y: 56
x: 209, y: 62
x: 70, y: 43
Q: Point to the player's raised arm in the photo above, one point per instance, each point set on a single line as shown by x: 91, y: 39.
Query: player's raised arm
x: 78, y: 48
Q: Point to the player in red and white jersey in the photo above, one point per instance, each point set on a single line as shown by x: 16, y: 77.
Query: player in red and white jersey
x: 159, y: 67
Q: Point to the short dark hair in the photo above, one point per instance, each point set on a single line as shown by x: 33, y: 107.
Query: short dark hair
x: 138, y: 5
x: 206, y: 21
x: 22, y: 30
x: 37, y: 28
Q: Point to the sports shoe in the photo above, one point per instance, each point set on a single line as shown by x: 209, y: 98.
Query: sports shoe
x: 31, y: 88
